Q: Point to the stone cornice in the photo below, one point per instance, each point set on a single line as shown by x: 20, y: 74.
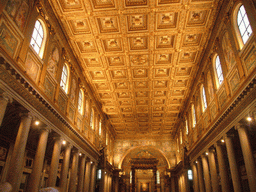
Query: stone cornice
x: 244, y: 99
x: 35, y: 98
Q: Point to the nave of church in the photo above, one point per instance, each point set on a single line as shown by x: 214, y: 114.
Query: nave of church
x: 128, y: 95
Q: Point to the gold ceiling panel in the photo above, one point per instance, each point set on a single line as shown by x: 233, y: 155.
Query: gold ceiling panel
x: 139, y: 56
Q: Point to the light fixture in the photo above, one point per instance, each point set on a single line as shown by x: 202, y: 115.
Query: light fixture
x: 91, y: 162
x: 105, y: 172
x: 37, y: 122
x: 196, y: 161
x: 222, y: 140
x: 80, y: 154
x: 64, y: 142
x: 249, y: 119
x: 206, y: 153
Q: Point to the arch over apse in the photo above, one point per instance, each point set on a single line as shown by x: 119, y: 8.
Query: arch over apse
x: 141, y: 151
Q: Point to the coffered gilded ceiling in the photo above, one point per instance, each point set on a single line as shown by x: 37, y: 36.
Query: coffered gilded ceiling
x: 139, y: 56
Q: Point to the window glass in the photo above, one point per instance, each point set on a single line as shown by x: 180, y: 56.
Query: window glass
x: 243, y: 24
x: 180, y: 136
x: 100, y: 128
x: 37, y: 37
x: 219, y: 70
x: 80, y: 102
x: 157, y: 177
x: 186, y: 124
x: 194, y: 115
x: 204, y: 98
x: 99, y: 174
x: 64, y: 78
x: 91, y: 120
x: 190, y: 175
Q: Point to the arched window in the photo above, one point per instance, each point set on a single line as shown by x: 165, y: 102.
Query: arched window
x: 100, y: 127
x: 91, y: 120
x: 181, y: 136
x: 186, y: 125
x: 38, y: 38
x: 64, y: 78
x: 107, y: 138
x: 243, y: 24
x: 193, y: 115
x: 204, y: 102
x: 80, y: 102
x: 157, y: 177
x: 178, y: 146
x: 218, y: 70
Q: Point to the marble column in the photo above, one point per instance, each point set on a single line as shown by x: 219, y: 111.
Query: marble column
x: 16, y: 164
x: 93, y: 177
x: 133, y: 180
x: 116, y: 180
x: 207, y: 179
x: 73, y: 175
x: 54, y: 162
x: 4, y: 100
x: 200, y: 175
x: 65, y: 167
x: 154, y: 173
x: 80, y: 186
x: 173, y: 184
x: 213, y: 170
x: 248, y: 156
x: 195, y: 176
x: 222, y: 168
x: 34, y: 181
x: 186, y: 181
x: 233, y: 163
x: 87, y: 176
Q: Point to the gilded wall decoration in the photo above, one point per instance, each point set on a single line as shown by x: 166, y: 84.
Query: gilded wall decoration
x: 210, y: 86
x: 250, y: 59
x: 18, y: 10
x: 228, y: 51
x: 12, y: 7
x: 234, y: 81
x: 222, y: 97
x: 7, y: 39
x: 53, y: 61
x: 213, y: 110
x: 73, y: 90
x: 49, y: 87
x: 71, y: 113
x: 32, y: 67
x: 62, y: 102
x: 79, y: 124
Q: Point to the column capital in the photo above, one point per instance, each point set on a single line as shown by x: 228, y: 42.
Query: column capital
x: 6, y: 96
x: 45, y: 128
x: 26, y: 114
x: 219, y: 143
x: 204, y: 156
x: 68, y: 145
x: 240, y: 126
x: 74, y: 150
x: 212, y: 150
x: 56, y: 137
x: 82, y: 155
x: 229, y: 135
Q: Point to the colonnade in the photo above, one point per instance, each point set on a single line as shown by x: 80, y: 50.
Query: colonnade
x: 205, y: 166
x: 85, y: 175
